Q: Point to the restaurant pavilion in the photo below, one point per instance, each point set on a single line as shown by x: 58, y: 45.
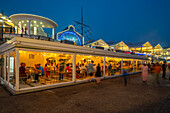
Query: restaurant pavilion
x: 29, y: 51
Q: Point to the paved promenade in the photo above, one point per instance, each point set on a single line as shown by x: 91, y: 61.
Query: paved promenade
x: 109, y: 97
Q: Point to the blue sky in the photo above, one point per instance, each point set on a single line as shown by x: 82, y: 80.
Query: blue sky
x: 117, y: 20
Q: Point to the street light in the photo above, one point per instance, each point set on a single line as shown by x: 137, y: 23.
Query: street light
x: 1, y: 21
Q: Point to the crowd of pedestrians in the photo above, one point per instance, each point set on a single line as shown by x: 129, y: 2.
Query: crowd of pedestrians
x: 155, y: 69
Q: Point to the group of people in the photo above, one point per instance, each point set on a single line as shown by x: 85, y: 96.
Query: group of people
x: 89, y: 69
x: 45, y: 71
x: 156, y: 69
x: 38, y: 71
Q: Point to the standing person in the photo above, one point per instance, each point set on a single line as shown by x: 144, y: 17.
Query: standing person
x: 157, y: 70
x: 14, y: 30
x: 22, y: 29
x: 144, y: 73
x: 41, y: 71
x: 149, y: 66
x: 152, y: 66
x: 98, y: 73
x: 83, y: 70
x: 164, y: 66
x: 25, y: 30
x: 46, y: 70
x: 10, y: 29
x: 109, y: 69
x: 61, y: 70
x: 90, y: 70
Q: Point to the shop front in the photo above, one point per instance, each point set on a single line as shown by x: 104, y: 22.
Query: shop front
x: 28, y: 65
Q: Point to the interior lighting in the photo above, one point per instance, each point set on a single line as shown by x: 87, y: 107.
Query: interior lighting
x: 42, y: 25
x: 3, y: 17
x: 40, y: 22
x: 9, y: 20
x: 31, y: 24
x: 37, y: 25
x: 34, y: 21
x: 22, y: 21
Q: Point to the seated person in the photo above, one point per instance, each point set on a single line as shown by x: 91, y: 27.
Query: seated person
x: 22, y: 72
x: 36, y: 72
x: 68, y: 69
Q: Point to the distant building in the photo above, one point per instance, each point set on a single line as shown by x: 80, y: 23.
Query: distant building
x: 98, y: 43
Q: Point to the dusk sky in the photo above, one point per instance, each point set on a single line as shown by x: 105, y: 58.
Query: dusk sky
x: 110, y: 20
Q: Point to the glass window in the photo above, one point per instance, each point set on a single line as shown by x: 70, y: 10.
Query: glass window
x: 42, y: 68
x: 138, y: 65
x: 86, y: 66
x: 128, y: 63
x: 113, y: 66
x: 12, y: 68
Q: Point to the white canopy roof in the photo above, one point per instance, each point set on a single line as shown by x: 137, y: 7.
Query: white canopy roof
x: 38, y: 21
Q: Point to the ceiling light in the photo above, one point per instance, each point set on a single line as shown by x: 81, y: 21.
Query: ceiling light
x: 3, y: 17
x: 9, y: 20
x: 22, y: 21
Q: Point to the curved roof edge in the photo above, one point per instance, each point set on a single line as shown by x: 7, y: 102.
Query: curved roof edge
x: 20, y: 15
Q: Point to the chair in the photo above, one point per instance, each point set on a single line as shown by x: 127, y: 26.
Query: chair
x: 23, y: 78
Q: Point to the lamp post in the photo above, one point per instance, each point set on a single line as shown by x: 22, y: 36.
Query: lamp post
x: 1, y: 20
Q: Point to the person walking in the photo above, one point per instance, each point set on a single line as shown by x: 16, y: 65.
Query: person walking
x: 152, y: 66
x: 98, y: 73
x: 157, y: 70
x: 145, y: 69
x: 164, y: 66
x: 125, y: 72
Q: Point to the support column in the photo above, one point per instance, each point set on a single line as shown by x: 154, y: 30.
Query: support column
x: 29, y: 27
x: 8, y: 71
x: 5, y: 67
x: 53, y: 33
x: 136, y: 64
x: 104, y: 69
x: 122, y: 66
x: 133, y: 65
x: 17, y: 68
x: 74, y: 68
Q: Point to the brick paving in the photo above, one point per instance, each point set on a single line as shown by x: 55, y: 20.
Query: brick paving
x: 109, y: 97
